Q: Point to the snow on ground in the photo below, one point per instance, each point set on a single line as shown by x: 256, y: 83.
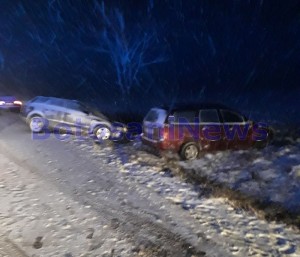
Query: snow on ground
x: 37, y: 211
x: 66, y: 193
x: 237, y: 230
x: 43, y: 221
x: 270, y: 175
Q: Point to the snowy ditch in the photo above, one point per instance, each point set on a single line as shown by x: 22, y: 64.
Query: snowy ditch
x: 270, y: 177
x: 266, y: 181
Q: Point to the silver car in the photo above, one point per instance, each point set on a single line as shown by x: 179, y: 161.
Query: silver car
x: 50, y: 112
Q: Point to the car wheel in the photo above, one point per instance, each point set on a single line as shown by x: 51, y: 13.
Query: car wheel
x: 36, y: 124
x: 189, y: 151
x: 102, y: 133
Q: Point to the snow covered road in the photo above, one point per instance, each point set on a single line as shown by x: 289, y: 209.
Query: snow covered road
x: 77, y: 198
x: 62, y: 193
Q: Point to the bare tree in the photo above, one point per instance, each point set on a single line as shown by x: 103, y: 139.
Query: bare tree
x: 130, y: 53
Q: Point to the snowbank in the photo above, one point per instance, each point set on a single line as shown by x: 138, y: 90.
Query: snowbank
x: 267, y: 180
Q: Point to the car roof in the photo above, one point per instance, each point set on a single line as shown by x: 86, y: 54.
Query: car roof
x: 45, y: 98
x: 7, y: 98
x: 194, y: 106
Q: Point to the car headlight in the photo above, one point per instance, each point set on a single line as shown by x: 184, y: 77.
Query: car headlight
x: 119, y: 126
x: 2, y: 103
x: 121, y: 129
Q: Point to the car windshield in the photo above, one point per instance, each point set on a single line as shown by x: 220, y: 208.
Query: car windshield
x: 84, y: 108
x: 92, y: 111
x: 38, y: 99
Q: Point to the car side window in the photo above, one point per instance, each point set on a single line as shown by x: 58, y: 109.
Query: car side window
x: 209, y: 116
x: 56, y: 102
x: 185, y: 116
x: 38, y: 99
x: 231, y: 117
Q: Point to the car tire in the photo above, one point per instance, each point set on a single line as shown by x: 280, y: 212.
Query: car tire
x: 102, y: 133
x: 36, y: 123
x: 189, y: 151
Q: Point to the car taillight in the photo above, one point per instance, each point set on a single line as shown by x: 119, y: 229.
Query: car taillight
x: 17, y: 102
x: 164, y: 133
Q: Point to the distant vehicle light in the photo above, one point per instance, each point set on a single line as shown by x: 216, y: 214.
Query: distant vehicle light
x: 2, y: 103
x: 17, y: 102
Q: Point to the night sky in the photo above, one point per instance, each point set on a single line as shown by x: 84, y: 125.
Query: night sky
x: 133, y: 54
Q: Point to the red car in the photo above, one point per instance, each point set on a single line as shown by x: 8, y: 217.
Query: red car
x: 188, y: 130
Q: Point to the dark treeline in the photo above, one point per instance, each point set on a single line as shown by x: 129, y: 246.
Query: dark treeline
x: 130, y: 54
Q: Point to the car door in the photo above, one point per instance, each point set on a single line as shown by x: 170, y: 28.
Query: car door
x: 236, y: 130
x: 54, y: 111
x: 185, y: 126
x: 211, y: 129
x: 76, y: 115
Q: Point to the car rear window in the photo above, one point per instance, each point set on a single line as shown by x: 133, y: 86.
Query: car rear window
x: 209, y: 116
x: 156, y: 116
x: 152, y: 116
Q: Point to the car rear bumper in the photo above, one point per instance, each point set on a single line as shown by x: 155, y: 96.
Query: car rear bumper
x: 160, y: 144
x: 10, y: 107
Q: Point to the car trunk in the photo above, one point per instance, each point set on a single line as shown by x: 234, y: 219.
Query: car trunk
x: 153, y: 124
